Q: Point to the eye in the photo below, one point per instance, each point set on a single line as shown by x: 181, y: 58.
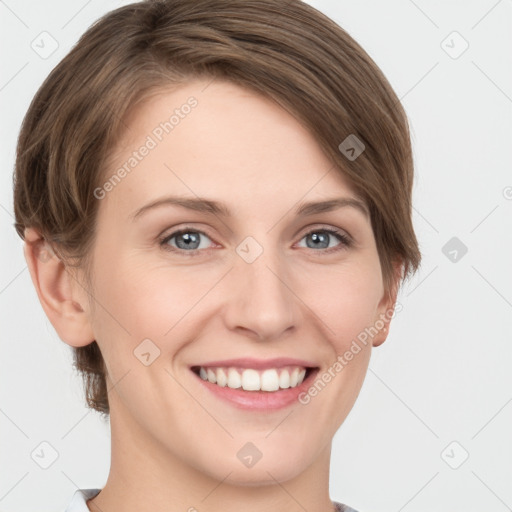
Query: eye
x: 320, y: 238
x: 187, y: 240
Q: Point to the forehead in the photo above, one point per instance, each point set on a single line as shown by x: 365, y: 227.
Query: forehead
x: 216, y: 139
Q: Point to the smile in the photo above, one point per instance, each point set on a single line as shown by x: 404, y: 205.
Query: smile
x: 255, y: 390
x: 250, y: 379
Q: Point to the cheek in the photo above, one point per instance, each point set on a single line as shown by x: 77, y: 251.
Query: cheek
x: 345, y: 300
x: 141, y: 300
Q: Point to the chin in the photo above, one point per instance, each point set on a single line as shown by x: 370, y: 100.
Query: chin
x: 266, y: 471
x: 266, y: 475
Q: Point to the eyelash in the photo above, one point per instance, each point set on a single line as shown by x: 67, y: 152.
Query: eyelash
x: 346, y: 241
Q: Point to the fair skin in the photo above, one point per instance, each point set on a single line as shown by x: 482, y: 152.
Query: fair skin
x: 174, y: 443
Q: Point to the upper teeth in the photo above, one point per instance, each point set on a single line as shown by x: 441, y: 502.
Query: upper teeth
x: 254, y: 380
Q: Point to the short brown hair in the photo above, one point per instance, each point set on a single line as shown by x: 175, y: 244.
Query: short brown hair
x: 285, y: 50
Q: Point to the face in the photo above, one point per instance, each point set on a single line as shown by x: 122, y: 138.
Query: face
x: 179, y: 287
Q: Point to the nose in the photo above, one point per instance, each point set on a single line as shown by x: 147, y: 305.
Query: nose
x: 261, y: 301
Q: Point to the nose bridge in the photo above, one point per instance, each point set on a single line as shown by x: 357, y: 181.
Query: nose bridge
x: 263, y: 301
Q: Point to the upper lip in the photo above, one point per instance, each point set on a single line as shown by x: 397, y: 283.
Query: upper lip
x: 248, y: 362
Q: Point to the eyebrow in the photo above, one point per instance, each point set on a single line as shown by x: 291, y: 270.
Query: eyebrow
x: 211, y: 207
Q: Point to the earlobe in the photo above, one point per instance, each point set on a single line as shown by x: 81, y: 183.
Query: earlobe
x: 61, y: 296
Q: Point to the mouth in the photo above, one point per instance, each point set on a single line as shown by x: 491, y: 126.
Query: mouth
x: 256, y: 390
x: 254, y: 384
x: 255, y: 380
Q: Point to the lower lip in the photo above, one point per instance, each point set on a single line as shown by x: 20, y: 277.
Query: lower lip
x: 259, y: 400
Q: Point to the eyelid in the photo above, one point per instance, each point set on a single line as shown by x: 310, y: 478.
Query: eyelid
x: 327, y: 227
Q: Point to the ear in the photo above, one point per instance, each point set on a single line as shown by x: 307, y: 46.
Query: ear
x: 386, y: 306
x: 62, y: 297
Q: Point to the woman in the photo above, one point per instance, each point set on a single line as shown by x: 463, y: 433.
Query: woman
x: 216, y: 202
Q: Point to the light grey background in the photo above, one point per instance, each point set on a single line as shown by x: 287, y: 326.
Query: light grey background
x: 442, y: 379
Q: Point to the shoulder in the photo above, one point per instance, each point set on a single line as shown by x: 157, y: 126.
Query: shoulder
x: 343, y: 508
x: 79, y: 501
